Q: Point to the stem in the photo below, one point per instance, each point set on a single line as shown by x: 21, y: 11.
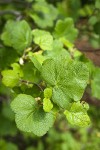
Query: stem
x: 12, y: 12
x: 17, y: 3
x: 35, y: 49
x: 29, y: 82
x: 13, y: 1
x: 89, y: 50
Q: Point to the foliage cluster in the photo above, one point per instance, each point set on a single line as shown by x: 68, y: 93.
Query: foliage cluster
x: 43, y: 75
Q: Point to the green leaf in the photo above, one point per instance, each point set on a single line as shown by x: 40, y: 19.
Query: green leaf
x: 65, y: 29
x: 37, y: 58
x: 93, y: 20
x: 11, y: 77
x: 95, y: 83
x: 68, y: 79
x: 95, y: 40
x: 77, y: 115
x: 57, y: 50
x: 30, y: 117
x: 43, y: 14
x: 16, y: 67
x: 67, y: 43
x: 43, y: 38
x: 97, y: 4
x: 34, y: 76
x: 48, y: 93
x: 17, y: 35
x: 83, y: 106
x: 47, y: 105
x: 6, y: 35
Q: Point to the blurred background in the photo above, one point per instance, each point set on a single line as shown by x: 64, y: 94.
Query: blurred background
x: 43, y: 14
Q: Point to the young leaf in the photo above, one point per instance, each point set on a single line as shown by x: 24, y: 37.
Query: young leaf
x: 43, y: 38
x: 47, y: 105
x: 17, y: 35
x: 48, y: 93
x: 16, y: 67
x: 37, y: 58
x: 78, y: 115
x: 65, y: 29
x: 30, y: 117
x: 67, y: 77
x: 11, y: 77
x: 35, y: 62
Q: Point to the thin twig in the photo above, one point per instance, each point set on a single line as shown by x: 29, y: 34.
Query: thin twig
x: 12, y: 1
x: 17, y: 3
x: 29, y: 82
x: 89, y: 50
x: 35, y: 48
x: 12, y: 12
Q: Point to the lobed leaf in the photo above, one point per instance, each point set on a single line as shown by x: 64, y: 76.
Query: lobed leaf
x: 65, y: 29
x: 68, y: 79
x: 43, y: 38
x: 11, y: 77
x: 30, y: 117
x: 17, y: 34
x: 43, y: 14
x: 77, y: 115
